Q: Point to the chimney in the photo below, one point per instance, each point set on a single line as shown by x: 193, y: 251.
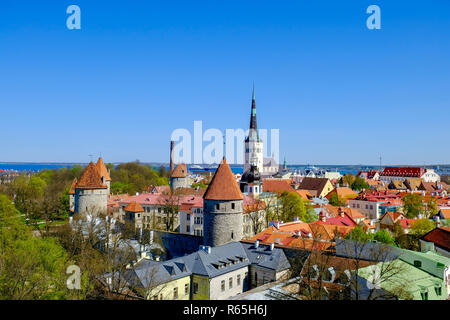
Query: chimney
x: 341, y: 212
x: 256, y: 244
x: 277, y: 225
x: 298, y: 233
x: 272, y: 245
x: 171, y: 155
x: 310, y: 235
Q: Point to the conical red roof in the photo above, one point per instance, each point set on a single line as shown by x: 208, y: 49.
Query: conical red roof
x: 90, y: 179
x: 102, y: 170
x: 180, y: 171
x: 223, y: 185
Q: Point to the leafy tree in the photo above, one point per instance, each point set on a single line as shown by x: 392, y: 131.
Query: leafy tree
x: 348, y: 179
x: 384, y: 236
x: 359, y: 184
x: 292, y: 205
x: 412, y: 205
x: 431, y: 207
x: 199, y: 184
x: 336, y: 201
x: 421, y: 227
x: 358, y: 234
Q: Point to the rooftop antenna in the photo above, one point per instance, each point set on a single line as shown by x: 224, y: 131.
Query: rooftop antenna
x: 380, y: 163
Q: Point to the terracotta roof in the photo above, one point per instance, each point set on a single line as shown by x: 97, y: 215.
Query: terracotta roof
x: 180, y: 171
x: 90, y: 179
x: 102, y: 170
x: 277, y: 185
x: 343, y: 192
x: 445, y: 212
x: 440, y: 237
x: 223, y: 185
x: 304, y: 194
x: 72, y: 187
x: 134, y: 207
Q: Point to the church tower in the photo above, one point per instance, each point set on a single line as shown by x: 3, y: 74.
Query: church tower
x: 253, y: 144
x: 222, y: 208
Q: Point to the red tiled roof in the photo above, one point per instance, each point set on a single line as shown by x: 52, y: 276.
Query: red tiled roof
x: 403, y: 172
x: 277, y: 185
x: 180, y: 171
x: 90, y: 179
x: 134, y: 207
x: 102, y: 169
x: 440, y: 237
x: 223, y: 186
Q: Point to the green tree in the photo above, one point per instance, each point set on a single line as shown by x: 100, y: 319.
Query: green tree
x: 359, y: 184
x: 336, y: 201
x: 348, y: 179
x: 431, y: 207
x: 421, y: 227
x: 292, y: 205
x: 358, y: 234
x: 384, y: 236
x: 412, y: 205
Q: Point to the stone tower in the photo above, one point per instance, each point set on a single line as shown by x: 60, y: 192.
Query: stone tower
x: 91, y: 194
x: 179, y: 177
x: 253, y: 144
x: 104, y: 173
x: 222, y: 208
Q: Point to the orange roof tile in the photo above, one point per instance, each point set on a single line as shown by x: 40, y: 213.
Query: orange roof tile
x: 90, y: 179
x: 445, y: 212
x: 72, y: 187
x: 223, y: 185
x: 304, y: 194
x: 134, y: 207
x: 102, y: 170
x: 277, y: 185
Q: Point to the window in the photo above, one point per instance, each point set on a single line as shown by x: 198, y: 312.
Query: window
x: 417, y: 263
x: 232, y: 235
x: 238, y: 280
x: 186, y: 289
x: 217, y: 206
x: 230, y: 282
x: 188, y: 217
x: 424, y: 295
x: 195, y: 287
x: 188, y: 229
x: 232, y: 206
x: 161, y: 296
x: 175, y: 293
x: 438, y: 289
x: 222, y: 285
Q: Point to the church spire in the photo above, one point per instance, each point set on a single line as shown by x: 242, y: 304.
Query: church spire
x: 253, y: 133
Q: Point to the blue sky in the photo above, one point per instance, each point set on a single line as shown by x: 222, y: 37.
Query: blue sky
x: 137, y: 70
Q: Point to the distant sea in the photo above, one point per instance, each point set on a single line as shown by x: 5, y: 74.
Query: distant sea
x: 343, y: 169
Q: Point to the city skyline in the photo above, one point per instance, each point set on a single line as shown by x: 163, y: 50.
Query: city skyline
x: 338, y: 92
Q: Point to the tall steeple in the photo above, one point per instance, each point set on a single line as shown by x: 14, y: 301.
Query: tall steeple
x: 253, y: 132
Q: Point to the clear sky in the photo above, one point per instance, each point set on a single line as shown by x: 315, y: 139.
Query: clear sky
x: 338, y: 92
